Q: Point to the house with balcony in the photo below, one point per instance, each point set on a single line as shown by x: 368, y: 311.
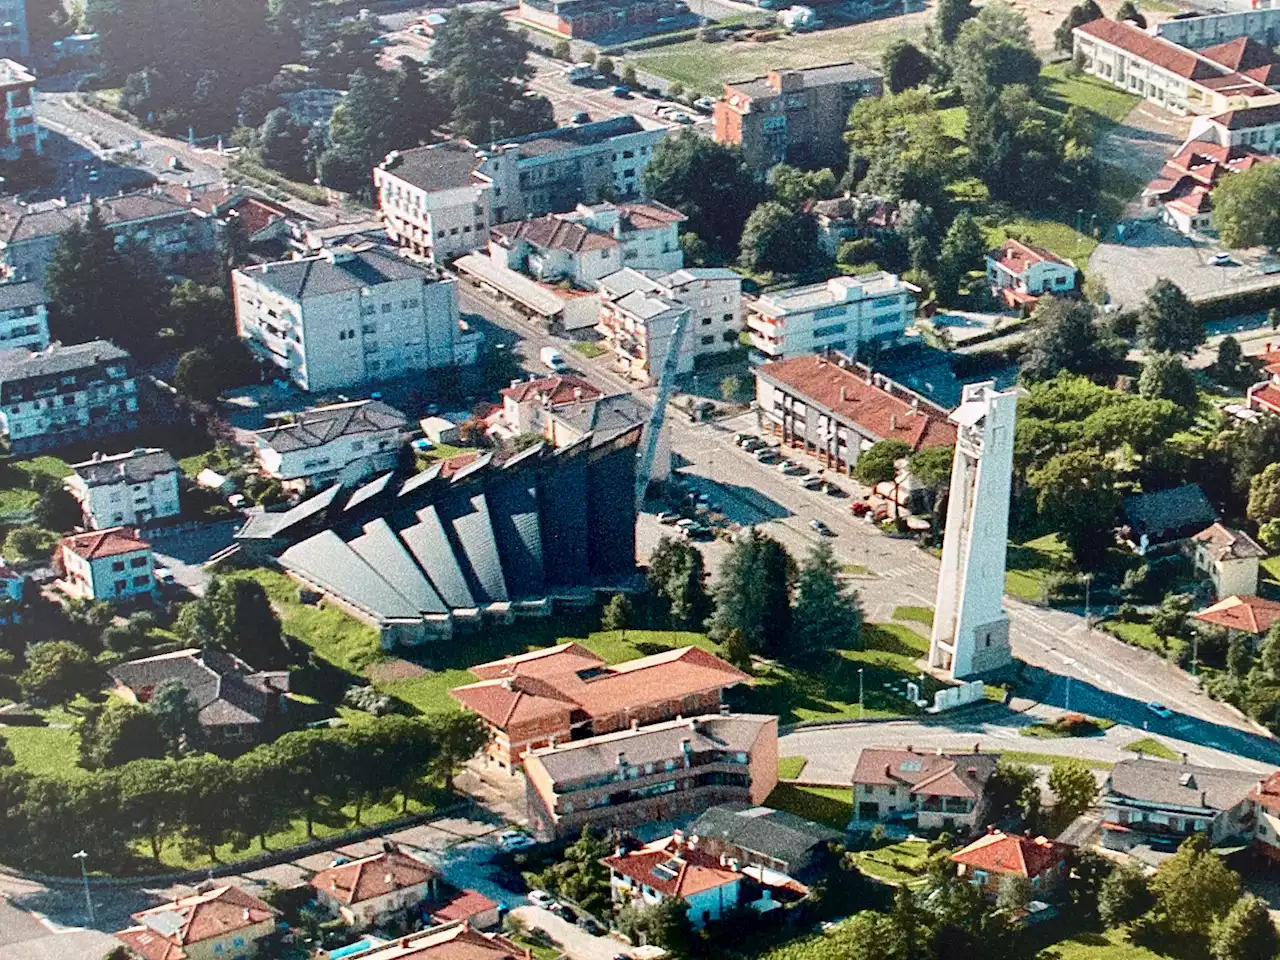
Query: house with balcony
x: 850, y: 314
x: 928, y: 790
x: 652, y: 773
x: 1045, y: 864
x: 373, y: 890
x: 222, y: 922
x: 112, y: 564
x: 347, y: 441
x: 1020, y: 273
x: 24, y: 316
x: 126, y: 488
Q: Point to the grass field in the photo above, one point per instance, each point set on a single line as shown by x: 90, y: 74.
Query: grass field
x: 1096, y: 946
x: 898, y: 863
x: 50, y: 751
x: 1029, y: 564
x: 1107, y: 104
x: 589, y: 348
x: 829, y: 805
x: 16, y: 495
x: 914, y: 615
x: 1049, y: 759
x: 1151, y: 747
x: 1140, y: 634
x: 791, y: 767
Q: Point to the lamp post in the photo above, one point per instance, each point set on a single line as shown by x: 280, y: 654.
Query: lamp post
x: 84, y: 875
x: 861, y: 712
x: 1088, y: 620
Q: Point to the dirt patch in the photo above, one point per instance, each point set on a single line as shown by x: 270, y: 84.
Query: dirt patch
x: 389, y: 671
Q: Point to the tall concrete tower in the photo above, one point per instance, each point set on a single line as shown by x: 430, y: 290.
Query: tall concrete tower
x: 970, y: 626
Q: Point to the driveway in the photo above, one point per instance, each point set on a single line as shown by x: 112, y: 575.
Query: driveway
x: 1143, y: 140
x: 577, y: 943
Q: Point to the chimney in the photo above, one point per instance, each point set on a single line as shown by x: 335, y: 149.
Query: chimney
x: 387, y: 879
x: 973, y: 773
x: 244, y: 914
x: 893, y: 422
x: 677, y: 837
x: 724, y: 709
x: 577, y: 393
x: 915, y: 406
x: 1204, y: 798
x: 844, y: 394
x: 910, y: 748
x: 937, y: 751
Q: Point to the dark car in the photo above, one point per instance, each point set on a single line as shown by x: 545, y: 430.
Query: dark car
x: 564, y: 912
x: 590, y: 926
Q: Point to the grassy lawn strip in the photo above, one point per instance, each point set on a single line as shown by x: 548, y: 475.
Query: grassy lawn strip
x: 443, y: 451
x: 1140, y: 634
x: 1151, y: 747
x: 1029, y: 564
x: 1096, y: 946
x: 854, y: 570
x: 49, y: 751
x: 1107, y: 104
x: 1049, y: 759
x: 791, y: 767
x: 589, y: 348
x: 16, y: 495
x: 829, y: 805
x: 914, y: 614
x: 1068, y: 725
x: 899, y: 863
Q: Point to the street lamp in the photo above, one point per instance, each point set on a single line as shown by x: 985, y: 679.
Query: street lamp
x: 1088, y: 620
x: 84, y: 875
x: 860, y: 708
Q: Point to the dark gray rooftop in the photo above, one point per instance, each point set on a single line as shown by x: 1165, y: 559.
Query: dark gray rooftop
x: 1165, y: 513
x: 335, y: 271
x: 137, y: 466
x: 850, y: 72
x: 603, y: 418
x: 1179, y: 784
x: 327, y: 560
x: 774, y: 833
x: 319, y: 425
x: 18, y: 365
x: 25, y: 293
x: 580, y: 135
x: 440, y: 166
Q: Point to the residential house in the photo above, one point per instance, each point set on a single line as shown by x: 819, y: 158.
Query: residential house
x: 111, y: 564
x: 758, y: 836
x: 456, y: 941
x: 1181, y: 195
x: 1229, y: 558
x: 649, y: 774
x: 837, y: 409
x: 1251, y: 615
x: 346, y: 441
x: 347, y: 317
x: 1165, y: 519
x: 987, y: 861
x: 852, y: 314
x: 470, y: 907
x: 1265, y: 800
x: 373, y: 890
x: 64, y: 395
x: 222, y: 922
x: 1264, y: 396
x: 1020, y: 273
x: 793, y: 116
x: 933, y: 790
x: 237, y: 704
x: 1175, y: 78
x: 851, y: 217
x: 524, y: 398
x: 1155, y: 801
x: 440, y: 201
x: 638, y: 312
x: 566, y: 692
x: 24, y: 316
x: 126, y: 488
x: 590, y: 18
x: 20, y: 134
x: 1257, y: 128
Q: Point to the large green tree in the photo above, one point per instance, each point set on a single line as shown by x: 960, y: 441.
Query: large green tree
x: 1082, y: 13
x: 116, y: 733
x: 1065, y: 337
x: 1075, y: 492
x: 1246, y: 207
x: 899, y: 150
x: 677, y: 575
x: 779, y: 240
x: 963, y: 249
x: 1167, y: 321
x: 1074, y: 789
x: 950, y: 16
x: 56, y: 671
x: 1247, y: 932
x: 1194, y: 888
x: 905, y: 66
x: 753, y: 594
x: 176, y: 714
x: 880, y: 465
x: 1166, y: 377
x: 708, y: 182
x: 827, y: 613
x: 992, y: 51
x: 236, y: 614
x: 1125, y: 895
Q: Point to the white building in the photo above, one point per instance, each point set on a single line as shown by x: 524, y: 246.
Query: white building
x: 18, y: 102
x: 63, y: 395
x: 640, y: 327
x: 1255, y: 127
x: 970, y: 626
x: 24, y: 316
x: 844, y: 313
x: 347, y: 317
x: 1019, y: 273
x: 1229, y: 559
x: 126, y: 488
x: 345, y: 441
x: 111, y: 564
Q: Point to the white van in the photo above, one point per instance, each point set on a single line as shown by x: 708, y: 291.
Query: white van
x: 552, y: 359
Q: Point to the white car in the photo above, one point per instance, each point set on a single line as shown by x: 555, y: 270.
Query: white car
x: 540, y: 898
x: 509, y: 841
x: 1159, y: 709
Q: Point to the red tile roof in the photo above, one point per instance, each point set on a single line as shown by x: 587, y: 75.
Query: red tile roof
x: 1017, y: 256
x: 1189, y: 176
x: 649, y: 215
x: 164, y: 930
x: 1268, y: 397
x: 1249, y: 117
x: 1246, y: 55
x: 558, y: 390
x: 554, y: 233
x: 926, y: 774
x: 1267, y: 793
x: 464, y: 906
x: 1168, y: 56
x: 1223, y: 543
x: 458, y: 942
x: 674, y: 869
x: 1006, y: 853
x: 373, y: 876
x: 1248, y: 614
x: 877, y: 410
x: 104, y: 543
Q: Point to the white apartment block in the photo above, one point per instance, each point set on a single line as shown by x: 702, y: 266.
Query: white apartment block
x: 439, y: 201
x: 340, y: 441
x: 19, y: 132
x: 112, y: 564
x: 1255, y: 127
x: 848, y: 314
x: 345, y: 317
x: 62, y: 395
x: 24, y: 316
x: 126, y: 488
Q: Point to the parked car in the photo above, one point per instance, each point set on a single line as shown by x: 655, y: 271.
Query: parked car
x: 811, y: 483
x: 860, y: 509
x: 540, y: 898
x: 564, y: 912
x: 1159, y: 709
x: 509, y: 841
x: 821, y: 529
x: 705, y: 104
x: 766, y: 455
x: 752, y: 444
x: 1222, y: 260
x: 741, y: 438
x: 590, y: 926
x: 792, y: 469
x: 667, y: 519
x: 582, y: 117
x: 621, y: 92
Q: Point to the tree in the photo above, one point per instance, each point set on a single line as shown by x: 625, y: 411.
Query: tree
x: 905, y: 66
x: 1064, y: 337
x: 1125, y: 895
x: 708, y: 182
x: 931, y: 468
x: 56, y: 671
x: 1074, y: 789
x: 282, y: 144
x: 678, y: 576
x: 898, y: 150
x: 1129, y: 11
x: 753, y: 594
x: 1166, y: 377
x: 778, y: 240
x: 233, y: 245
x: 793, y: 187
x: 1245, y: 933
x: 1075, y: 493
x: 177, y: 715
x: 118, y: 733
x: 1273, y: 318
x: 951, y: 14
x: 617, y: 614
x: 880, y: 465
x: 47, y: 21
x: 1194, y: 888
x: 198, y: 376
x: 578, y: 875
x: 1229, y: 364
x: 1167, y: 321
x: 730, y: 388
x: 7, y: 758
x: 963, y: 250
x: 1014, y: 794
x: 55, y: 508
x: 1170, y: 618
x: 667, y: 925
x: 202, y: 313
x: 992, y: 51
x: 827, y: 613
x: 30, y: 542
x: 1015, y: 892
x: 1077, y: 16
x: 1264, y: 495
x: 458, y: 738
x: 1246, y: 207
x: 236, y: 615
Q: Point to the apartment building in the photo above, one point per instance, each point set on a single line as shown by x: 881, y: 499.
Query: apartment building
x: 111, y: 564
x: 1020, y: 273
x: 24, y: 316
x: 794, y: 116
x: 346, y: 317
x: 850, y: 314
x: 1229, y: 76
x: 126, y: 488
x: 523, y: 399
x: 346, y: 441
x: 63, y: 395
x: 440, y: 201
x: 649, y: 774
x: 640, y: 327
x: 19, y: 132
x: 1261, y: 23
x: 590, y: 18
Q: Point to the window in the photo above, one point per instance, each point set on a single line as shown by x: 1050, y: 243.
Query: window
x: 706, y: 321
x: 828, y: 330
x: 141, y: 581
x: 707, y: 341
x: 117, y: 565
x: 120, y: 585
x: 138, y: 562
x: 386, y: 308
x: 368, y: 310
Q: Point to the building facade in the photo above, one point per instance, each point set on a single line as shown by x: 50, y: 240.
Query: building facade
x: 932, y: 790
x: 1045, y: 864
x: 590, y: 18
x: 1020, y: 273
x: 62, y: 395
x: 1182, y: 195
x: 19, y: 132
x: 24, y: 316
x: 112, y: 564
x: 345, y: 317
x: 793, y: 116
x: 1257, y: 128
x: 1228, y: 559
x: 850, y: 314
x: 14, y: 42
x: 346, y: 441
x: 1261, y: 23
x: 674, y: 868
x: 1155, y: 801
x: 222, y: 923
x: 373, y: 890
x: 126, y: 488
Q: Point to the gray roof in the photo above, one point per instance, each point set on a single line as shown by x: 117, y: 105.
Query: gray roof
x: 468, y: 518
x: 689, y: 274
x: 774, y: 833
x: 335, y: 271
x: 1164, y: 514
x: 136, y: 466
x: 19, y: 294
x: 225, y: 688
x: 1179, y: 784
x: 23, y: 365
x: 379, y: 547
x: 329, y: 561
x: 579, y: 135
x: 605, y: 417
x: 850, y: 72
x: 440, y: 166
x: 319, y: 425
x: 430, y: 545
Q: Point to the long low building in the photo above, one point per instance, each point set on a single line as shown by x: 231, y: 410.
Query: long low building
x: 417, y: 556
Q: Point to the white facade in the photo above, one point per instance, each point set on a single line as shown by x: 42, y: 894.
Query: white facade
x: 639, y: 328
x: 127, y: 488
x: 970, y: 626
x: 1029, y: 270
x: 18, y: 89
x: 344, y: 318
x: 845, y: 313
x: 347, y: 440
x: 107, y: 565
x: 13, y: 29
x: 24, y: 316
x: 1257, y: 128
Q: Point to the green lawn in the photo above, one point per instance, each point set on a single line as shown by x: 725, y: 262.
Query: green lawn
x: 789, y: 768
x: 898, y: 863
x: 588, y: 348
x: 1151, y: 747
x: 443, y: 451
x: 1140, y: 634
x: 1057, y: 237
x: 1107, y: 104
x: 854, y: 570
x: 50, y: 751
x: 914, y: 614
x: 1029, y: 564
x: 1096, y: 946
x: 1049, y: 759
x: 829, y: 805
x: 16, y: 495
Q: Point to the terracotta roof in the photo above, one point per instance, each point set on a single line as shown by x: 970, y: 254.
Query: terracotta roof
x: 1245, y: 55
x: 256, y: 215
x: 373, y: 876
x: 1249, y: 614
x: 1223, y: 543
x: 880, y: 412
x: 1189, y: 175
x: 554, y: 233
x: 105, y: 543
x: 1168, y: 56
x: 1267, y: 793
x: 1268, y: 398
x: 464, y: 906
x: 926, y: 774
x: 560, y: 389
x: 457, y: 942
x: 649, y: 215
x: 1017, y: 257
x: 1249, y: 117
x: 674, y: 869
x: 1008, y: 853
x: 164, y: 930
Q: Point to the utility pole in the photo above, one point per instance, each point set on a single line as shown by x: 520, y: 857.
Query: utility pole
x: 1088, y: 620
x: 84, y: 875
x: 861, y: 711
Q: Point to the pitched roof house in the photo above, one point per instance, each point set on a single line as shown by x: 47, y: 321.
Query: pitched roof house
x: 1020, y: 273
x: 340, y: 440
x: 1154, y: 801
x: 991, y: 858
x: 223, y: 921
x: 1252, y: 615
x: 369, y: 891
x: 457, y: 941
x: 674, y: 868
x: 1229, y: 558
x: 1181, y: 193
x: 111, y: 564
x: 1163, y: 518
x: 939, y: 790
